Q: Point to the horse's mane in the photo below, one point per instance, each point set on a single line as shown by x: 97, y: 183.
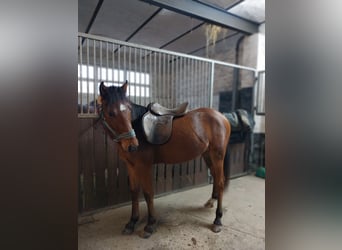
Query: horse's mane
x: 137, y: 111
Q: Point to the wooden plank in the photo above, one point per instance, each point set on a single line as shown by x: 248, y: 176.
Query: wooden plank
x: 203, y: 172
x: 197, y: 171
x: 237, y: 159
x: 112, y: 166
x: 124, y: 194
x: 176, y: 178
x: 86, y: 158
x: 185, y: 178
x: 159, y: 177
x: 100, y: 167
x: 191, y: 172
x: 168, y: 179
x: 81, y: 168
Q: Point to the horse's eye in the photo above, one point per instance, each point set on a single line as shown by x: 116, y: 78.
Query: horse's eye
x: 111, y: 114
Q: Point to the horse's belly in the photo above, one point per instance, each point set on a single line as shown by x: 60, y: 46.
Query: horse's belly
x: 182, y: 146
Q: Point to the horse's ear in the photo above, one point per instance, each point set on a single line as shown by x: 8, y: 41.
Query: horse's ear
x: 124, y: 86
x: 103, y: 89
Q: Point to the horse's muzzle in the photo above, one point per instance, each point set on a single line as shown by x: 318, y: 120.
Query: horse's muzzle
x: 132, y: 148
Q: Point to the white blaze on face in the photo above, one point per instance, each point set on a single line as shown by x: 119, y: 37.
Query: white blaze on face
x: 122, y: 107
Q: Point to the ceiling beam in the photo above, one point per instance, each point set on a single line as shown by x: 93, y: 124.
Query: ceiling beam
x: 208, y: 14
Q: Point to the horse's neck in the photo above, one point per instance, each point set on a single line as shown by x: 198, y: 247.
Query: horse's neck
x: 137, y: 111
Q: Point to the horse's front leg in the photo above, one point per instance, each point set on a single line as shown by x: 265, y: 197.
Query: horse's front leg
x: 134, y: 187
x: 149, y: 194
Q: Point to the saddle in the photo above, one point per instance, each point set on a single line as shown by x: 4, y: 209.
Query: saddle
x: 157, y: 122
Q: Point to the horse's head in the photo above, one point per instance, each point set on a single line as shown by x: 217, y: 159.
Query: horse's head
x: 116, y: 115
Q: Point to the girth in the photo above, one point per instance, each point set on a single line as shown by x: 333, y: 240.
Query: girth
x: 157, y: 122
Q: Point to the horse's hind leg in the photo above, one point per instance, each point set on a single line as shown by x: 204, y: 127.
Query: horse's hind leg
x: 214, y: 161
x: 147, y: 187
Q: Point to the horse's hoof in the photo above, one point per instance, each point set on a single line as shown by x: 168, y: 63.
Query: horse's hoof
x: 216, y: 228
x: 148, y: 231
x: 209, y: 203
x: 145, y: 235
x: 127, y: 231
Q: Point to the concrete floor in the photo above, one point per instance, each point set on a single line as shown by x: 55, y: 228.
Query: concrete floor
x: 184, y: 223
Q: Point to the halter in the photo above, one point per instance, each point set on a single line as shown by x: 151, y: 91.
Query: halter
x: 117, y: 137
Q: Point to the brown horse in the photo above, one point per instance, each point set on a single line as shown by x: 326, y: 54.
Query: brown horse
x: 201, y: 131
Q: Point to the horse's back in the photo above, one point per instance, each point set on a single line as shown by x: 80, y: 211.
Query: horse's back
x: 192, y: 134
x: 207, y: 125
x: 213, y: 120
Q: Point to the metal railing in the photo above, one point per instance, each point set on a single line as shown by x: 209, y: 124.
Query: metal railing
x: 153, y: 74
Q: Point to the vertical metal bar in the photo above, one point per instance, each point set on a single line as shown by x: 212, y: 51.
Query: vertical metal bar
x: 145, y: 75
x: 113, y: 63
x: 81, y: 74
x: 193, y: 81
x: 101, y: 77
x: 94, y: 63
x: 204, y: 84
x: 119, y: 63
x: 200, y: 82
x: 128, y: 77
x: 140, y: 87
x: 177, y: 81
x: 205, y: 67
x: 151, y: 78
x: 197, y: 83
x: 94, y: 71
x: 155, y: 76
x: 107, y: 63
x: 136, y: 73
x: 88, y: 74
x: 164, y: 91
x: 168, y: 82
x: 188, y: 83
x: 173, y: 78
x: 191, y: 77
x: 194, y: 84
x: 124, y: 66
x: 186, y: 88
x: 211, y: 91
x: 159, y: 84
x: 180, y: 80
x: 207, y: 84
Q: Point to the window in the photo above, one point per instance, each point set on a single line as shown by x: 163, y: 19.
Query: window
x: 139, y: 83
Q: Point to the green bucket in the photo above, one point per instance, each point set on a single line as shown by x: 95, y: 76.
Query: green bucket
x: 261, y: 172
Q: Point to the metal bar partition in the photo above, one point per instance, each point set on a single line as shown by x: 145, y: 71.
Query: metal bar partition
x: 154, y: 75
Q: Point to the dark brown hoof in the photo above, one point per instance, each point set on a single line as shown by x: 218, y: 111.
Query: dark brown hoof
x: 127, y: 231
x: 145, y: 235
x: 216, y: 228
x: 148, y: 231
